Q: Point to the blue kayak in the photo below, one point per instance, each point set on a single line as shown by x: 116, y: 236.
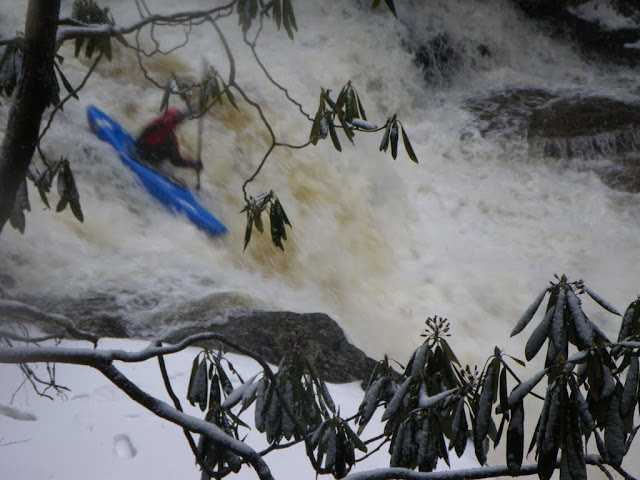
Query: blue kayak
x: 175, y: 197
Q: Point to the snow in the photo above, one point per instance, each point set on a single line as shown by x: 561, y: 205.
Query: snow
x: 97, y: 432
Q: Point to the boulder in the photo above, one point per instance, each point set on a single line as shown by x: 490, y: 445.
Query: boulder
x: 270, y: 334
x: 603, y: 132
x: 265, y: 333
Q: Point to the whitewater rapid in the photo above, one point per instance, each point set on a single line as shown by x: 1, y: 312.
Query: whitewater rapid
x: 472, y: 233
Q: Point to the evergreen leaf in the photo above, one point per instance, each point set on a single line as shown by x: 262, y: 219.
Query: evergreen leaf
x: 249, y: 228
x: 528, y: 314
x: 581, y: 324
x: 630, y: 393
x: 384, y: 144
x: 557, y: 323
x: 522, y: 390
x: 600, y: 301
x: 396, y: 401
x: 614, y: 433
x: 393, y: 138
x: 515, y: 438
x: 408, y: 147
x: 334, y: 135
x: 539, y: 335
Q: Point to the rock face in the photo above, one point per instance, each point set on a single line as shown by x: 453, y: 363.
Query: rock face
x: 265, y: 333
x: 268, y: 334
x: 586, y: 127
x: 601, y: 131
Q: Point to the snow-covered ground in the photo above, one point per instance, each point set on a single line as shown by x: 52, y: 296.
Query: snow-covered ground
x: 99, y: 433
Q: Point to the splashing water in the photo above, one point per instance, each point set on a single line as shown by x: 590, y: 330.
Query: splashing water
x: 473, y: 233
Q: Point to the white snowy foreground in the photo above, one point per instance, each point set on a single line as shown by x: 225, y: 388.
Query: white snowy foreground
x: 98, y: 433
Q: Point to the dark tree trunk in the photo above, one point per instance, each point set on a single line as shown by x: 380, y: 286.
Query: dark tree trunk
x: 33, y: 95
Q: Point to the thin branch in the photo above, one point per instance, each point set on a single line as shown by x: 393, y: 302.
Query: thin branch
x: 163, y: 410
x: 463, y: 474
x: 9, y: 41
x: 178, y: 406
x: 26, y: 339
x: 59, y: 106
x: 626, y: 475
x: 375, y: 450
x: 604, y: 470
x: 113, y: 31
x: 227, y: 49
x: 13, y: 310
x: 6, y: 444
x: 252, y: 46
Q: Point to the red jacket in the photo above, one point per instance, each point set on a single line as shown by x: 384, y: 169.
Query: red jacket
x: 158, y: 140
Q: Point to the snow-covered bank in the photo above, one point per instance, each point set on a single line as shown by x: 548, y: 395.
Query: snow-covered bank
x: 97, y: 432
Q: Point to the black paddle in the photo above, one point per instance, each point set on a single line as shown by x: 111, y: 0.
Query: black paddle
x: 200, y: 122
x: 199, y: 150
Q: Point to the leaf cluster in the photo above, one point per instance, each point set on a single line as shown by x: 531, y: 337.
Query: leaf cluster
x: 90, y: 13
x: 277, y: 218
x: 10, y: 68
x: 434, y: 405
x: 336, y: 444
x: 347, y: 113
x: 211, y: 389
x: 281, y: 11
x: 66, y: 187
x: 390, y: 137
x: 207, y: 92
x: 294, y: 403
x: 428, y: 404
x: 568, y: 416
x: 389, y: 3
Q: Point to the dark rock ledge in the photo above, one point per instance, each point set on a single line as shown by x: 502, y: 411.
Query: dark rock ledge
x: 265, y: 333
x: 268, y: 334
x: 602, y: 134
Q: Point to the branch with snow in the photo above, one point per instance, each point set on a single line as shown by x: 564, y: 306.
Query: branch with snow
x: 12, y: 311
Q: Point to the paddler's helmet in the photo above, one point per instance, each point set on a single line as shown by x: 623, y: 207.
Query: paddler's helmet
x: 174, y: 116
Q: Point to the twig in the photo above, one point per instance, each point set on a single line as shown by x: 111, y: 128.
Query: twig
x: 163, y: 410
x: 252, y: 46
x: 61, y: 104
x: 178, y: 406
x: 6, y: 444
x: 14, y: 310
x: 112, y: 31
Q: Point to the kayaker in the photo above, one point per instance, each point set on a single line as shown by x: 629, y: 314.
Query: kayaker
x: 158, y: 141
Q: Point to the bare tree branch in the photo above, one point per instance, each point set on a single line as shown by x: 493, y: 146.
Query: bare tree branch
x: 59, y: 106
x: 163, y: 410
x: 114, y: 31
x: 464, y: 474
x: 178, y: 406
x: 11, y: 310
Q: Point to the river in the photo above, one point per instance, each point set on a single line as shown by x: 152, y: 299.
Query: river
x: 472, y: 233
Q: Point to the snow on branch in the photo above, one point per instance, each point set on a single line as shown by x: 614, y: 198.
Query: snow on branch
x: 193, y: 424
x: 69, y: 33
x: 13, y: 311
x: 465, y: 474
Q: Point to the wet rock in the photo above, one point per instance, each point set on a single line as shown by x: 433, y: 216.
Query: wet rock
x: 594, y: 36
x: 602, y: 131
x: 586, y: 117
x: 441, y: 57
x: 264, y: 333
x: 97, y: 314
x: 269, y: 335
x: 509, y: 111
x: 620, y: 174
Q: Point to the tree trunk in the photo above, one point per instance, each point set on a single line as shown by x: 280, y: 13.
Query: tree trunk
x: 33, y: 95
